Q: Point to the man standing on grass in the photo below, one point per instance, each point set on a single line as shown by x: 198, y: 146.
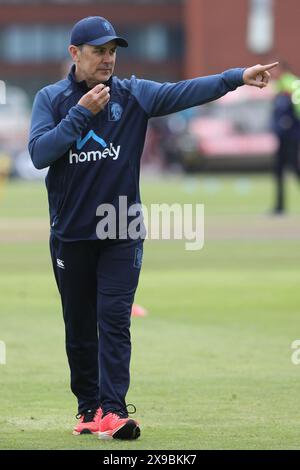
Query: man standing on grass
x: 89, y: 129
x: 286, y: 127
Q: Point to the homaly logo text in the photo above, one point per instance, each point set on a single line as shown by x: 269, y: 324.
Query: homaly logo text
x: 94, y: 155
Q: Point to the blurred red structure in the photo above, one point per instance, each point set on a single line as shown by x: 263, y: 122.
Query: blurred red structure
x: 169, y: 39
x: 234, y: 132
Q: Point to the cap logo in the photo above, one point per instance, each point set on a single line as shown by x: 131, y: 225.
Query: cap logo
x: 106, y: 26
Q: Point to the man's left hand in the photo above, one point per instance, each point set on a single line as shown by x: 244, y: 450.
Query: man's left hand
x: 258, y: 75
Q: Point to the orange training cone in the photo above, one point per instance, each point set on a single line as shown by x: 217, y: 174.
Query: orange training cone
x: 138, y: 311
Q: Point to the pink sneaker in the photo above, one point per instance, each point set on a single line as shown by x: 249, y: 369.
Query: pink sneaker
x: 89, y: 422
x: 113, y: 426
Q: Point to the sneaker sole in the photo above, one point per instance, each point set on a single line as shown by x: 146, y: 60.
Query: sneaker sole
x: 128, y: 431
x: 84, y: 431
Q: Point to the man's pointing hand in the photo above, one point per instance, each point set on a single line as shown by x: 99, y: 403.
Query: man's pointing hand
x: 258, y: 75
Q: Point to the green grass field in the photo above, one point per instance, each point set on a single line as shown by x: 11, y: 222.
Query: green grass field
x: 211, y: 364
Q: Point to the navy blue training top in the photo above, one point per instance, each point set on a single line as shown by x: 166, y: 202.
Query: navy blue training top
x: 94, y: 159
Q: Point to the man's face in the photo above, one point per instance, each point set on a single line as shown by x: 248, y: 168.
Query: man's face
x: 94, y: 64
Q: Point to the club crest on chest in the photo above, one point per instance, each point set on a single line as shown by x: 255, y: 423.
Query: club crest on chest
x: 115, y: 111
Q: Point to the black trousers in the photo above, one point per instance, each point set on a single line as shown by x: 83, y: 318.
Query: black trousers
x: 97, y: 281
x: 287, y: 156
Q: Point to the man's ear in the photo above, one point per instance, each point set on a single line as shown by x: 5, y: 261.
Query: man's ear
x: 74, y: 52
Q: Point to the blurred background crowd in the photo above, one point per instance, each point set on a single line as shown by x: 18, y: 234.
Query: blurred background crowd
x: 170, y: 40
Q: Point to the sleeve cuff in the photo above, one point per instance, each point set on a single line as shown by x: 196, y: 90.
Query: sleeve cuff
x: 87, y: 113
x: 239, y: 78
x: 234, y: 77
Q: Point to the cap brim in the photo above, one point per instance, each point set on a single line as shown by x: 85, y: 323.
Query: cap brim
x: 104, y: 39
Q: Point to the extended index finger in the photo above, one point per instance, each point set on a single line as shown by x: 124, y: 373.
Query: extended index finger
x: 269, y: 66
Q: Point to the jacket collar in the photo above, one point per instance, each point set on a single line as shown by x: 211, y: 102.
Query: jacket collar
x: 83, y: 85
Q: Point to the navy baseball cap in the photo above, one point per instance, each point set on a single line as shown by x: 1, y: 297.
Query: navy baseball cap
x: 95, y: 31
